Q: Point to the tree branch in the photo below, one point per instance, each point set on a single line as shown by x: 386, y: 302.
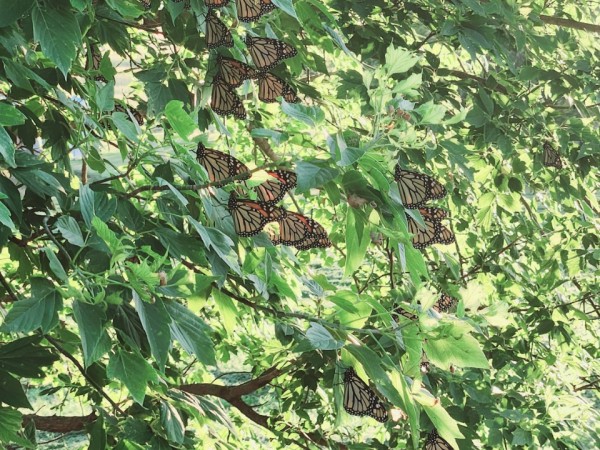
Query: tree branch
x: 59, y: 424
x: 568, y: 23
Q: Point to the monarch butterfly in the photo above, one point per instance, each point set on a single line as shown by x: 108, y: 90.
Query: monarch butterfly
x: 273, y: 190
x: 224, y: 101
x: 436, y: 442
x: 94, y: 62
x: 417, y: 188
x: 147, y: 4
x: 217, y: 33
x: 251, y: 10
x: 360, y: 399
x: 216, y: 3
x: 219, y: 165
x: 234, y: 72
x: 445, y: 303
x: 267, y: 53
x: 139, y: 118
x: 434, y: 231
x: 249, y: 217
x: 270, y: 87
x: 552, y: 157
x: 404, y: 313
x: 300, y: 231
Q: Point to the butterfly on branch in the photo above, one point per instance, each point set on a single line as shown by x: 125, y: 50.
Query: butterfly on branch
x: 220, y: 166
x: 267, y: 53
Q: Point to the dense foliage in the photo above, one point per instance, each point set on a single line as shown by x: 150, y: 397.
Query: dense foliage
x: 134, y: 314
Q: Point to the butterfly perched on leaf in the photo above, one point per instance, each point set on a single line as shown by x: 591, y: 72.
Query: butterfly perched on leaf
x: 433, y: 232
x: 251, y: 10
x: 234, y: 72
x: 274, y: 189
x: 445, y: 303
x: 219, y: 166
x: 436, y: 442
x: 217, y: 33
x: 267, y: 53
x: 299, y: 231
x: 416, y: 189
x: 552, y: 157
x: 270, y: 87
x: 249, y: 216
x: 224, y: 100
x: 360, y: 399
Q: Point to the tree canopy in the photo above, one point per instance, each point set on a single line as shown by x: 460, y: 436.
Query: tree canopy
x: 299, y: 224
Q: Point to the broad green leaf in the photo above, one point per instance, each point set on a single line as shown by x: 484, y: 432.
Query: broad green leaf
x: 219, y: 242
x: 10, y: 116
x: 95, y: 204
x: 24, y: 357
x: 11, y: 391
x: 11, y: 422
x: 445, y: 425
x: 13, y: 10
x: 463, y: 351
x: 106, y: 234
x: 191, y: 332
x: 125, y: 126
x: 7, y: 149
x: 431, y: 113
x: 133, y: 371
x: 345, y: 300
x: 11, y: 198
x: 156, y: 323
x: 287, y: 6
x: 409, y: 85
x: 179, y: 119
x: 55, y: 265
x: 69, y: 228
x: 91, y: 320
x: 313, y: 174
x: 357, y: 241
x: 172, y: 423
x: 398, y: 60
x: 57, y: 31
x: 127, y: 8
x: 5, y: 218
x: 227, y: 309
x: 321, y: 339
x: 98, y: 435
x: 38, y: 311
x: 105, y: 97
x: 310, y: 115
x: 358, y: 318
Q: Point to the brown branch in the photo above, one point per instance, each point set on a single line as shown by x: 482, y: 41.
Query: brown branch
x: 264, y: 146
x: 568, y: 23
x: 498, y: 253
x: 8, y: 289
x: 467, y: 76
x: 59, y: 424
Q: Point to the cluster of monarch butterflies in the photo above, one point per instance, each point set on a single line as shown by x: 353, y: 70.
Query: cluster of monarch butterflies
x: 552, y: 157
x: 361, y: 400
x: 416, y: 189
x: 266, y: 53
x: 251, y: 216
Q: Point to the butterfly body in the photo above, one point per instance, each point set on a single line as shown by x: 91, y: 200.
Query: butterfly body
x: 267, y: 53
x: 220, y: 166
x: 436, y: 442
x: 252, y: 10
x: 552, y: 157
x: 416, y: 188
x: 225, y: 101
x: 217, y: 33
x: 249, y: 216
x: 270, y: 87
x: 433, y: 233
x: 273, y: 190
x: 234, y: 72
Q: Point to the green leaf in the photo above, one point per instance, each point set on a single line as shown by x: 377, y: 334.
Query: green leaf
x: 24, y: 357
x: 409, y: 85
x: 445, y: 425
x: 11, y: 391
x: 314, y: 174
x: 430, y: 113
x: 125, y: 126
x: 13, y: 10
x: 57, y: 31
x: 7, y: 149
x: 398, y: 60
x: 12, y: 197
x: 91, y: 320
x: 11, y: 422
x: 179, y: 119
x: 461, y: 351
x: 321, y: 338
x: 38, y: 311
x: 55, y: 265
x: 357, y: 241
x: 95, y: 204
x: 310, y: 115
x: 172, y: 423
x: 227, y: 309
x: 5, y: 218
x: 356, y: 319
x: 69, y: 228
x: 191, y: 332
x: 156, y: 323
x: 9, y: 115
x: 127, y: 8
x: 106, y: 234
x: 133, y: 371
x: 98, y: 435
x: 105, y: 97
x: 219, y: 242
x: 287, y: 6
